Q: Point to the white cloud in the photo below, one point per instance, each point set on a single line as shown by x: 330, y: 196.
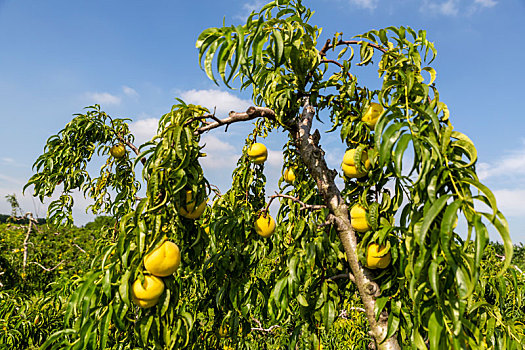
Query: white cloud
x: 485, y: 3
x: 129, y: 91
x: 366, y: 4
x: 455, y: 7
x: 248, y: 7
x: 103, y: 98
x: 220, y: 154
x: 144, y: 129
x: 275, y: 159
x: 510, y: 201
x: 510, y: 165
x: 214, y: 144
x: 224, y: 101
x: 12, y: 162
x: 447, y: 8
x: 10, y: 179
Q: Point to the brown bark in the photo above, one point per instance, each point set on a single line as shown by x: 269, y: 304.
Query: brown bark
x: 251, y: 113
x: 313, y: 157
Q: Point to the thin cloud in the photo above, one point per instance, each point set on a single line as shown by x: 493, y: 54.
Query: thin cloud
x: 510, y: 165
x: 11, y: 162
x: 128, y: 91
x: 366, y: 4
x: 485, y: 3
x: 222, y: 100
x: 455, y: 7
x: 275, y: 159
x: 11, y: 180
x: 510, y: 201
x: 144, y: 129
x: 220, y: 154
x: 248, y: 7
x: 103, y: 98
x: 447, y: 8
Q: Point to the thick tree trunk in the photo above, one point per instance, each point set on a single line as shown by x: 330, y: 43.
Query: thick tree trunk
x: 313, y: 156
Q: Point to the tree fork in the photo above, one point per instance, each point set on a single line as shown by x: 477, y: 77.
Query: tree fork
x: 313, y: 157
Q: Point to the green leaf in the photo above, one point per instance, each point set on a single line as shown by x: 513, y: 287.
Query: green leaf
x: 124, y: 286
x: 401, y: 147
x: 485, y: 190
x: 435, y: 329
x: 482, y: 237
x: 302, y: 300
x: 225, y: 53
x: 429, y: 217
x: 144, y: 327
x: 278, y: 47
x: 433, y: 277
x: 500, y: 223
x: 447, y: 224
x: 389, y: 137
x: 104, y: 329
x: 432, y: 72
x: 208, y: 60
x: 380, y: 305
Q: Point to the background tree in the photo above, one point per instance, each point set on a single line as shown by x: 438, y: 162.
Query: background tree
x: 407, y: 165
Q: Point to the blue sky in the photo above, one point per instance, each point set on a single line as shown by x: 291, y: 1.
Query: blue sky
x: 134, y: 57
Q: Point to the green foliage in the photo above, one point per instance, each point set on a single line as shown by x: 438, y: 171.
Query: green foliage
x: 65, y: 160
x: 233, y: 286
x: 32, y: 302
x: 51, y: 254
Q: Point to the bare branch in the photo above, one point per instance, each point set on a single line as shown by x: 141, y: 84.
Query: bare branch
x: 304, y: 206
x: 341, y: 276
x: 130, y: 145
x: 233, y: 117
x: 328, y: 45
x: 338, y: 64
x: 266, y: 329
x: 344, y: 314
x: 32, y: 221
x: 45, y: 268
x: 82, y: 250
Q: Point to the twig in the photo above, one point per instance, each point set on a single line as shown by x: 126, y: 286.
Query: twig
x: 233, y: 117
x: 29, y: 216
x: 45, y: 268
x: 257, y: 321
x: 261, y: 329
x: 304, y: 206
x: 502, y: 257
x: 216, y: 190
x: 338, y: 64
x: 82, y: 250
x: 130, y: 145
x: 328, y: 45
x: 341, y: 276
x: 344, y: 314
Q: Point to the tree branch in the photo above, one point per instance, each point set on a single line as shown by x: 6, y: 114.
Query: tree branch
x: 45, y: 268
x: 233, y: 117
x: 313, y: 157
x: 260, y: 329
x: 341, y: 276
x: 304, y: 206
x: 130, y: 145
x: 82, y: 250
x: 328, y: 45
x: 32, y: 221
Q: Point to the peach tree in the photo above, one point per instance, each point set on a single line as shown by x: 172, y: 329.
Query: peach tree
x: 376, y: 236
